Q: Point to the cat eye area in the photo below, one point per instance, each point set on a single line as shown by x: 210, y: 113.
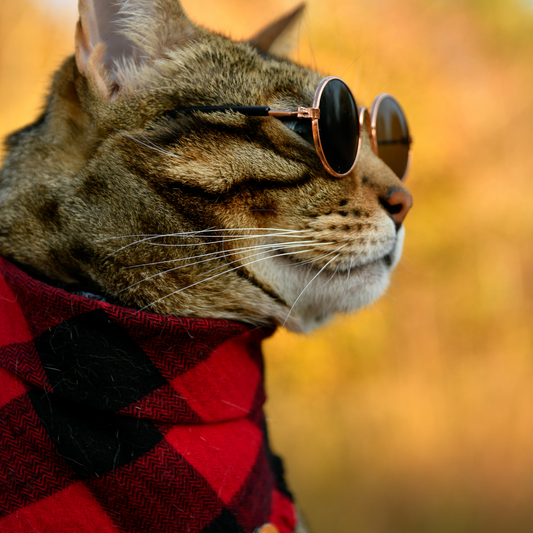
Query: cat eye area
x: 334, y: 124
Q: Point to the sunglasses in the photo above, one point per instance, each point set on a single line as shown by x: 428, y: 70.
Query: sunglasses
x: 334, y: 124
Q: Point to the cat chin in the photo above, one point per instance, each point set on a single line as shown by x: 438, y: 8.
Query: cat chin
x: 337, y: 294
x: 316, y: 296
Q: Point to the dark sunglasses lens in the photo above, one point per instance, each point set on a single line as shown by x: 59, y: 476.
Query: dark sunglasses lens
x: 392, y: 136
x: 338, y: 126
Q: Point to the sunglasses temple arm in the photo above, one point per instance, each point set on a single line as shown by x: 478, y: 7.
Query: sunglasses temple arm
x: 253, y: 111
x: 303, y: 112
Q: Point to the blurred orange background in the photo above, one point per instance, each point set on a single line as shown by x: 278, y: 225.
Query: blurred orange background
x: 415, y: 415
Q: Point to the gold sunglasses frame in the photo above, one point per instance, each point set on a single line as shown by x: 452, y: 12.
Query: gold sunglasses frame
x: 313, y: 113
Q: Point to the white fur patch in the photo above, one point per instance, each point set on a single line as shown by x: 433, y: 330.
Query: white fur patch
x: 315, y: 295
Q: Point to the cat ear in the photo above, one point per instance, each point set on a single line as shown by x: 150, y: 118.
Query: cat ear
x: 279, y: 38
x: 117, y: 39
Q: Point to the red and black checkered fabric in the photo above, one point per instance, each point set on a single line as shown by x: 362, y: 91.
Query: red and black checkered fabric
x: 115, y: 420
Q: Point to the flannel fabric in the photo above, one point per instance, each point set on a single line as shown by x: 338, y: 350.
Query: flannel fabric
x: 116, y: 420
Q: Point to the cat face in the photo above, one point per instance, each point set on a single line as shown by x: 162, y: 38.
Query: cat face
x: 193, y: 214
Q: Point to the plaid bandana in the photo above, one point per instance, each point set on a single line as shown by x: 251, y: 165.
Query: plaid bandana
x: 115, y: 420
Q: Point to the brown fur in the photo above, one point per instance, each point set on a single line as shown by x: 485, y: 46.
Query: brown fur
x: 86, y: 189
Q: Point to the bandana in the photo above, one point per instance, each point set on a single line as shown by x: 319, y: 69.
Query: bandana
x: 115, y: 420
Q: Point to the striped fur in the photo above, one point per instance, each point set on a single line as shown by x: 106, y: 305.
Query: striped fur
x: 218, y: 215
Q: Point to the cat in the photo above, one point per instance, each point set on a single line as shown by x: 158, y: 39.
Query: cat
x: 126, y: 192
x: 102, y: 186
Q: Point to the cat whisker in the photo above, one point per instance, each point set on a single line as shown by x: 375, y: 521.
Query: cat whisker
x: 199, y: 232
x: 216, y: 276
x: 219, y: 253
x: 223, y: 241
x: 190, y: 245
x: 200, y: 262
x: 313, y: 279
x: 211, y: 243
x: 191, y: 234
x: 315, y: 259
x: 332, y: 275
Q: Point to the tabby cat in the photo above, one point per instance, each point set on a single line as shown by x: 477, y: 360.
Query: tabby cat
x: 193, y: 214
x: 176, y: 172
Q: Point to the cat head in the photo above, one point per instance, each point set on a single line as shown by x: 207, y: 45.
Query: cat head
x: 191, y: 213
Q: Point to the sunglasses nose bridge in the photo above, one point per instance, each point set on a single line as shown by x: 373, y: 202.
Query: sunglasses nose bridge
x: 365, y: 129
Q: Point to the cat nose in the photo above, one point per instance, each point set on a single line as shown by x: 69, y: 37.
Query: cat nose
x: 397, y: 202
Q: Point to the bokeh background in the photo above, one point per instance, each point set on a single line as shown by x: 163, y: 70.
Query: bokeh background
x: 416, y: 415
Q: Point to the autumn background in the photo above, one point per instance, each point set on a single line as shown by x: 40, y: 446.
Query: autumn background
x: 417, y: 414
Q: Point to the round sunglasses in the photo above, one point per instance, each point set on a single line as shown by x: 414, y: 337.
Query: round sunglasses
x: 335, y: 125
